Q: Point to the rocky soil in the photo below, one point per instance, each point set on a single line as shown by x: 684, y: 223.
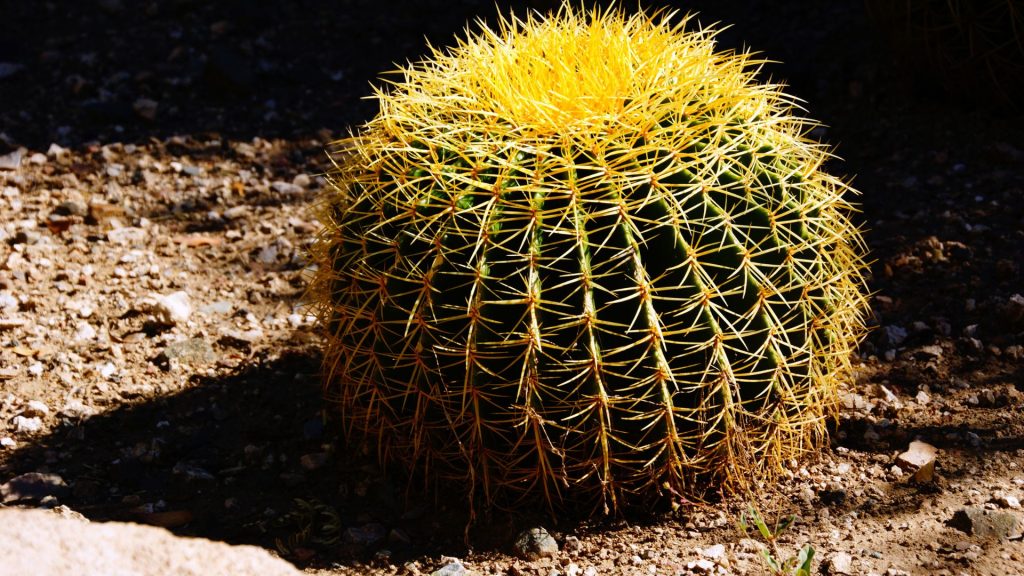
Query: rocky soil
x: 159, y: 162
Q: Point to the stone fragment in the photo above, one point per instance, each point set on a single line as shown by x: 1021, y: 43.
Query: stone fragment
x: 702, y: 566
x: 127, y: 235
x: 11, y: 161
x: 65, y: 512
x: 84, y: 332
x: 32, y: 486
x: 716, y: 552
x: 840, y: 563
x: 285, y: 188
x: 70, y: 208
x: 452, y: 568
x: 35, y: 408
x: 191, y: 351
x: 236, y: 212
x: 894, y: 335
x: 75, y: 408
x: 41, y: 542
x: 535, y: 543
x: 218, y: 307
x: 987, y: 524
x: 174, y: 308
x: 919, y: 459
x: 302, y: 180
x: 11, y: 323
x: 27, y: 425
x: 1008, y: 501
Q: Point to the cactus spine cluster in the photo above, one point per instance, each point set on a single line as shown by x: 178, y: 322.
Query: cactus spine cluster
x: 587, y: 258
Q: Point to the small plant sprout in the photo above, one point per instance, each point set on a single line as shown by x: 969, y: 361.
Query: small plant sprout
x: 799, y: 565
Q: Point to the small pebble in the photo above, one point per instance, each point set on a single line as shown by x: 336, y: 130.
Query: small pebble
x: 35, y: 408
x: 1008, y: 501
x: 27, y: 425
x: 535, y: 543
x: 174, y: 308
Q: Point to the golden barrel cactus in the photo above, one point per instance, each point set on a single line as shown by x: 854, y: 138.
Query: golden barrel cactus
x: 585, y: 258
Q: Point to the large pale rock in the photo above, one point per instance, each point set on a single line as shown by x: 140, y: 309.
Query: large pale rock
x: 919, y: 459
x: 987, y: 524
x: 41, y: 542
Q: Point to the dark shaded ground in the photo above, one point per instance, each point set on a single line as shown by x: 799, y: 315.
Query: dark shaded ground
x: 243, y: 68
x: 942, y: 185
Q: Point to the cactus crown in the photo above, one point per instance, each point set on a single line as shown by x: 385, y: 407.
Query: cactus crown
x: 586, y: 256
x: 571, y: 73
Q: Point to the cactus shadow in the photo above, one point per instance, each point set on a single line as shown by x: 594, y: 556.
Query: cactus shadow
x: 238, y: 458
x: 217, y: 454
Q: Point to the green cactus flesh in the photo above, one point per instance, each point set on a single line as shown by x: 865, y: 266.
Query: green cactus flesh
x: 588, y: 308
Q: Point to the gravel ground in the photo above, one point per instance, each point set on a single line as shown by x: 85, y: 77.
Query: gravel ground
x: 158, y: 165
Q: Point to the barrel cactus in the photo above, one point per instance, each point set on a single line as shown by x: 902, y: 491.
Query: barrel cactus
x: 586, y: 258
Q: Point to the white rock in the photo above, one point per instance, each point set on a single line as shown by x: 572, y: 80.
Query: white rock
x: 84, y: 331
x: 35, y: 408
x: 1007, y: 501
x: 268, y: 255
x: 74, y: 408
x: 713, y: 552
x: 302, y: 180
x: 108, y: 370
x: 174, y: 308
x: 8, y: 301
x: 285, y: 188
x: 8, y: 442
x: 236, y: 212
x: 28, y: 425
x: 840, y: 563
x: 42, y: 542
x: 127, y: 235
x: 36, y: 369
x: 703, y: 565
x: 247, y: 336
